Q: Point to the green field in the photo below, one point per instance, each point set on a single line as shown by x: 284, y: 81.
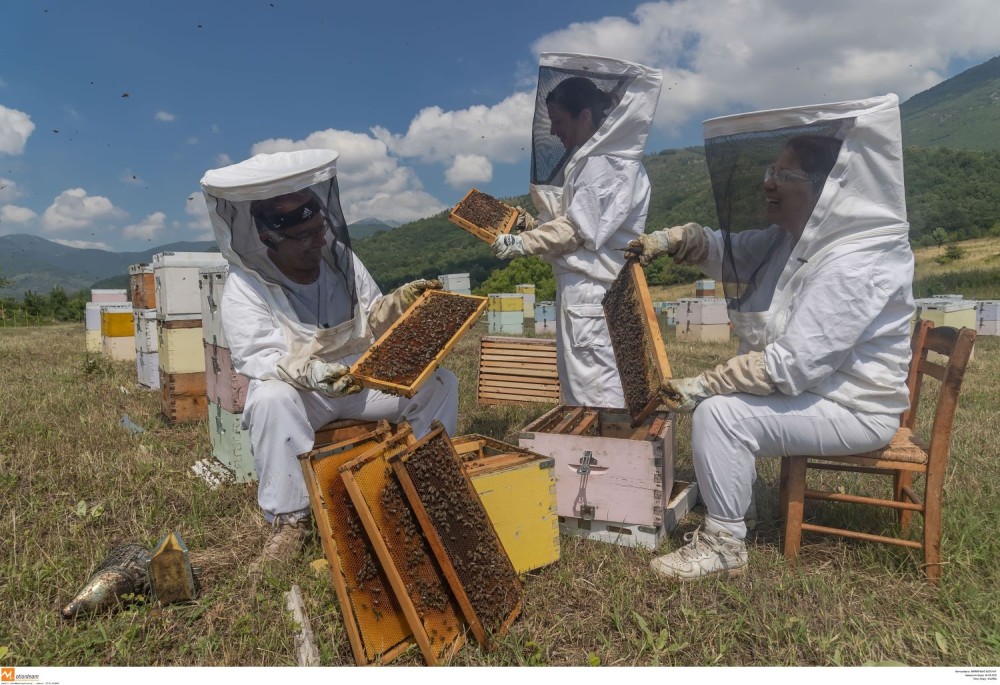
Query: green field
x: 75, y: 483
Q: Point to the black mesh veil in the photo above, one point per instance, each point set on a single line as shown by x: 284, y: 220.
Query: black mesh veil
x: 756, y: 248
x: 548, y: 156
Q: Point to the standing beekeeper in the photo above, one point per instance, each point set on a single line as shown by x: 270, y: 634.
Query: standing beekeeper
x: 817, y: 271
x: 592, y: 117
x: 298, y: 308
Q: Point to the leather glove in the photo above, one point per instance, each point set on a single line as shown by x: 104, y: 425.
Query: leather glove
x: 743, y: 373
x: 687, y: 244
x: 508, y: 246
x: 332, y: 379
x: 390, y: 307
x: 524, y: 221
x: 409, y: 292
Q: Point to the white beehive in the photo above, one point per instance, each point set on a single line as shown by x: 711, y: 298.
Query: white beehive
x: 146, y: 338
x: 147, y: 367
x: 988, y: 317
x: 709, y: 310
x: 456, y: 283
x: 176, y: 278
x: 211, y: 281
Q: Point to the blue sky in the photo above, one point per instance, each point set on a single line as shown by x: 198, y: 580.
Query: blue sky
x: 422, y: 100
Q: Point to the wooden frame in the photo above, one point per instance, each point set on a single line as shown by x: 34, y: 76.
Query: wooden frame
x: 517, y: 371
x: 905, y: 456
x: 640, y: 408
x: 410, y: 390
x: 376, y: 634
x: 438, y: 630
x: 483, y: 233
x: 447, y: 547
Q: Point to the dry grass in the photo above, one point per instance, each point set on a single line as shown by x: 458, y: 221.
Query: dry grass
x: 981, y: 253
x: 61, y: 443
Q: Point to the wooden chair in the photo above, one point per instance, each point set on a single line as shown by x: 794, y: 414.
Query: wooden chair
x: 905, y: 456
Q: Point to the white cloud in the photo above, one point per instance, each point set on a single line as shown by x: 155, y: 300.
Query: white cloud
x: 16, y: 215
x: 147, y: 228
x: 164, y: 116
x: 74, y: 209
x: 15, y: 129
x: 372, y: 183
x: 736, y: 56
x: 84, y: 244
x: 500, y: 132
x: 9, y: 190
x: 222, y: 159
x: 468, y: 170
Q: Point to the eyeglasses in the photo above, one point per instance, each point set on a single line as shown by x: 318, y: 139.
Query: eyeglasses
x: 785, y: 175
x: 304, y: 237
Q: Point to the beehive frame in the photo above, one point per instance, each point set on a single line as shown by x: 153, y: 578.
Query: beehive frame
x: 484, y: 233
x: 416, y: 579
x: 517, y: 371
x: 633, y: 321
x: 394, y: 330
x: 375, y: 636
x: 489, y: 593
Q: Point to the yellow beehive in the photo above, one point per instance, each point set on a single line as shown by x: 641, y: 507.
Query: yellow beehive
x: 181, y: 347
x: 526, y: 288
x: 518, y: 490
x: 117, y: 323
x: 505, y: 302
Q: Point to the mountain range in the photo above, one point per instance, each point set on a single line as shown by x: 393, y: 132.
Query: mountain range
x: 951, y: 135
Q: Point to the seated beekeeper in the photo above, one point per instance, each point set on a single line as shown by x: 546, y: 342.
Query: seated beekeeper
x: 297, y: 309
x: 820, y: 299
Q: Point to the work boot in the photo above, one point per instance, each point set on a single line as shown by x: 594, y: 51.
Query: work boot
x: 286, y: 541
x: 706, y: 554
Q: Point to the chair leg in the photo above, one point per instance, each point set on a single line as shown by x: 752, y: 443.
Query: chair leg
x: 783, y: 488
x: 793, y: 503
x: 932, y: 528
x: 899, y: 481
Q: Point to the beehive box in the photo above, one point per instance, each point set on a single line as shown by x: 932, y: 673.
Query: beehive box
x: 175, y: 275
x: 408, y: 353
x: 456, y: 283
x: 483, y: 216
x: 142, y: 286
x: 545, y: 311
x: 230, y: 443
x: 702, y: 332
x: 92, y: 317
x: 116, y: 321
x: 182, y: 397
x: 635, y: 337
x: 506, y: 302
x: 211, y: 281
x: 705, y: 311
x: 119, y: 348
x: 419, y: 585
x: 547, y: 328
x: 606, y: 470
x: 988, y: 317
x: 109, y: 295
x: 373, y: 619
x: 147, y: 368
x: 518, y: 490
x: 460, y: 533
x: 704, y: 288
x: 517, y: 371
x: 223, y: 384
x: 944, y: 311
x: 181, y: 346
x: 147, y: 338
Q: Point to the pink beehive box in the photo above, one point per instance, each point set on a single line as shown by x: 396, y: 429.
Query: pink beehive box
x: 607, y: 471
x: 224, y: 386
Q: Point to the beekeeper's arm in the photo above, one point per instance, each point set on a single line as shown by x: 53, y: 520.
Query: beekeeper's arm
x: 259, y: 348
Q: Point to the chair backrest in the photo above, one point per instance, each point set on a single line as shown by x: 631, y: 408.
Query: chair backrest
x: 956, y: 345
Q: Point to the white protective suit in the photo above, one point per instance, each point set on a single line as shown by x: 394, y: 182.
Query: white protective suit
x: 835, y: 333
x: 273, y: 337
x: 604, y: 191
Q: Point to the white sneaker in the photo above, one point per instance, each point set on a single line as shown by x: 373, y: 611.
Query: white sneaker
x: 706, y: 554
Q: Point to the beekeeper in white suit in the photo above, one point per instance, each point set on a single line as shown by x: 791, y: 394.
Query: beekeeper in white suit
x: 592, y: 118
x: 298, y: 308
x: 817, y: 271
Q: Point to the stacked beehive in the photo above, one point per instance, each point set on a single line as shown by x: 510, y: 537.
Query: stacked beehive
x: 456, y: 283
x: 987, y: 316
x: 704, y: 288
x: 545, y: 317
x: 946, y: 310
x: 226, y: 390
x: 117, y: 331
x: 666, y: 312
x: 702, y: 320
x: 178, y: 323
x: 505, y: 314
x: 92, y: 318
x: 528, y: 291
x: 143, y: 289
x: 614, y: 483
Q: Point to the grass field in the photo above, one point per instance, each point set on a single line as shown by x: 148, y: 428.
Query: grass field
x: 74, y: 483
